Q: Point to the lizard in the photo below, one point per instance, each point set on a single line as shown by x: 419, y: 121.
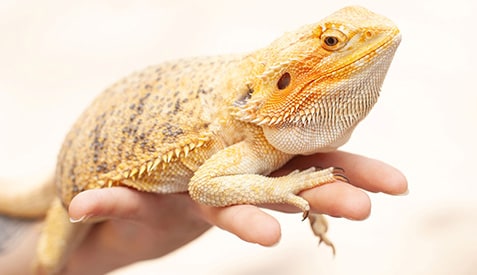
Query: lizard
x: 216, y: 127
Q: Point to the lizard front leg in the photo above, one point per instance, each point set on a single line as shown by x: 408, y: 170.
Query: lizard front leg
x: 236, y: 175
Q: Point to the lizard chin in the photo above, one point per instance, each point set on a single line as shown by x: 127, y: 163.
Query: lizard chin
x: 311, y: 139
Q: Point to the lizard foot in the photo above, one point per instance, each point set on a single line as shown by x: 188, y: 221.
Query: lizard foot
x: 298, y: 181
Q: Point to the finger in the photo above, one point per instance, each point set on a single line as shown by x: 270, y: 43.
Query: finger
x: 128, y: 204
x: 339, y: 199
x: 112, y: 202
x: 246, y: 221
x: 370, y: 174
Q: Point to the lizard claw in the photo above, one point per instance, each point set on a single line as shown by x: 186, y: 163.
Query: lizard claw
x: 338, y: 174
x: 305, y: 214
x: 338, y: 169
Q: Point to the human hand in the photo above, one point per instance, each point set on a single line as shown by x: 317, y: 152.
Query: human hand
x: 142, y: 226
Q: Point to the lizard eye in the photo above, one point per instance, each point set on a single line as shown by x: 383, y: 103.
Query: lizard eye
x: 333, y: 40
x: 284, y: 81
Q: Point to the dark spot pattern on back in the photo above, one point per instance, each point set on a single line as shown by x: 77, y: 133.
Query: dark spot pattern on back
x: 136, y: 120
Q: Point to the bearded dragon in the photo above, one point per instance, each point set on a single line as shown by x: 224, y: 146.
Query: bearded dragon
x: 217, y: 126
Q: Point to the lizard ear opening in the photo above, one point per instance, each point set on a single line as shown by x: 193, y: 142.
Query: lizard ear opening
x: 284, y: 81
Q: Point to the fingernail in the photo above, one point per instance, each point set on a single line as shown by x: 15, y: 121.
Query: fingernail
x: 81, y: 219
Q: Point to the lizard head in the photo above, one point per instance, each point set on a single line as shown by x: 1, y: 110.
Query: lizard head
x: 310, y: 88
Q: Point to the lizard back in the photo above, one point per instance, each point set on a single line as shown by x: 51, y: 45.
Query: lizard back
x: 142, y: 124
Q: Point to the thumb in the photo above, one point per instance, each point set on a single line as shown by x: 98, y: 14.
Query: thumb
x: 114, y: 202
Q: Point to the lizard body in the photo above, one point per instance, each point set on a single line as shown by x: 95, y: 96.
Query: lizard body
x: 217, y: 126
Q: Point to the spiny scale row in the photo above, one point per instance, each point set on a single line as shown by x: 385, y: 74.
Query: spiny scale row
x: 150, y: 166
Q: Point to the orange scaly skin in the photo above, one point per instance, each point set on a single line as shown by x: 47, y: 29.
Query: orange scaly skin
x: 217, y: 126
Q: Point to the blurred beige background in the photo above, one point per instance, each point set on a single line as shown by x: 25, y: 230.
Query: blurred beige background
x: 55, y: 56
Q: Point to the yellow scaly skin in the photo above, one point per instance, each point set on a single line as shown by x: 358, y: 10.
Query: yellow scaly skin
x: 217, y: 126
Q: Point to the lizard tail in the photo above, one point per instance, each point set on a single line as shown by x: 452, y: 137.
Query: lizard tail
x: 34, y: 203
